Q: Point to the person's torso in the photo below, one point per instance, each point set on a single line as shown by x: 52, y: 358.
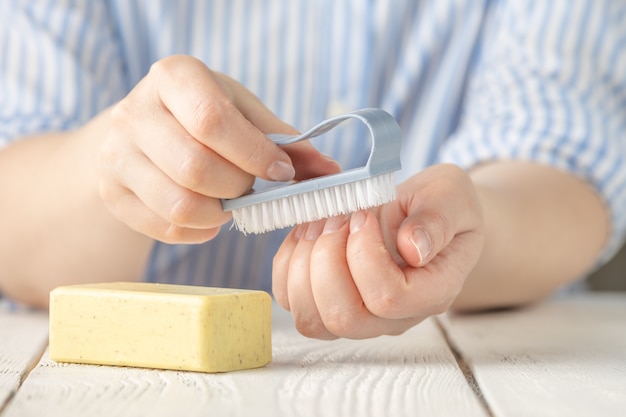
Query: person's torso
x: 308, y: 60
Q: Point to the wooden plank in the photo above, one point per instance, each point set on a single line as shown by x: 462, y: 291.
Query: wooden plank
x: 23, y: 337
x: 566, y: 357
x: 410, y: 375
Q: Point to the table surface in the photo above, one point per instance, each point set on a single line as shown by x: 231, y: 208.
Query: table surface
x: 565, y: 357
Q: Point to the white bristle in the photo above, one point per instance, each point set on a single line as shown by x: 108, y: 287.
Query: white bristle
x: 315, y: 205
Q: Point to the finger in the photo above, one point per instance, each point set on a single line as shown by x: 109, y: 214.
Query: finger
x: 309, y: 162
x: 208, y: 113
x: 432, y: 223
x: 380, y: 280
x: 173, y: 203
x: 125, y: 205
x: 280, y: 266
x: 301, y: 302
x: 392, y: 292
x: 188, y: 162
x: 439, y: 281
x: 337, y: 298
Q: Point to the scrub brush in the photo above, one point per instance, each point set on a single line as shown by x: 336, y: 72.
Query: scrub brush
x: 329, y: 195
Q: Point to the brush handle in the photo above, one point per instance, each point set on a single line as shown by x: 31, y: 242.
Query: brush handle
x: 384, y: 132
x: 384, y: 158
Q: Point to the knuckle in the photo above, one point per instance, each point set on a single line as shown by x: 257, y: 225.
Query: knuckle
x: 106, y: 192
x: 209, y: 114
x: 310, y: 327
x: 192, y: 171
x: 340, y: 323
x: 115, y: 155
x: 385, y: 305
x: 199, y: 172
x: 166, y: 66
x: 182, y: 210
x: 160, y: 67
x: 240, y: 187
x: 121, y: 112
x: 106, y: 154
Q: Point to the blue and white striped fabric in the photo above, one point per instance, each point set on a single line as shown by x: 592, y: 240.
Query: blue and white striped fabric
x: 468, y: 80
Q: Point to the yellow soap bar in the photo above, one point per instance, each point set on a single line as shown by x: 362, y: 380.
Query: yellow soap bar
x: 161, y: 326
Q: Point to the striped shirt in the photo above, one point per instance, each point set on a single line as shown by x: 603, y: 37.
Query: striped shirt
x: 469, y: 81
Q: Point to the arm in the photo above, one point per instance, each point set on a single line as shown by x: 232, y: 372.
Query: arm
x: 508, y: 235
x: 56, y: 228
x: 537, y: 203
x: 545, y: 92
x: 85, y: 190
x: 53, y: 221
x: 543, y: 229
x: 85, y: 206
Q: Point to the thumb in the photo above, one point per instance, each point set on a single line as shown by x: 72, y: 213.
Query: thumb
x: 309, y: 162
x: 422, y: 236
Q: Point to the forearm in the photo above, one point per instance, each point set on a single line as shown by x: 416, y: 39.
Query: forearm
x: 55, y: 228
x: 544, y: 229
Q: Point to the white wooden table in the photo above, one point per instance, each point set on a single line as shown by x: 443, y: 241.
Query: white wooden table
x: 561, y: 358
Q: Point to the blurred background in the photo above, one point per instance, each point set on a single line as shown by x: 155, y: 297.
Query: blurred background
x: 612, y: 276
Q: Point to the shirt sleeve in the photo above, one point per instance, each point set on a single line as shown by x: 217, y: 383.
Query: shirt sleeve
x: 60, y: 64
x: 548, y: 85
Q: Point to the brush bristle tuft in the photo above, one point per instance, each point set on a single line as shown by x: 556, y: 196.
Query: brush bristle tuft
x: 315, y: 205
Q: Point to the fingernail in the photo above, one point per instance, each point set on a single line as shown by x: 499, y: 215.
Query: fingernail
x: 281, y: 171
x: 314, y: 230
x: 357, y: 221
x: 335, y: 223
x: 297, y: 234
x: 329, y: 159
x: 421, y: 240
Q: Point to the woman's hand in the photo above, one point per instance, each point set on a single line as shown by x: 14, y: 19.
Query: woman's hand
x: 383, y: 271
x: 184, y: 138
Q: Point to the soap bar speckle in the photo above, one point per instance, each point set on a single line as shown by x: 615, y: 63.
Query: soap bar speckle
x: 161, y: 326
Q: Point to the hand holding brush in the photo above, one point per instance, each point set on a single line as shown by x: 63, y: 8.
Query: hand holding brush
x: 185, y: 138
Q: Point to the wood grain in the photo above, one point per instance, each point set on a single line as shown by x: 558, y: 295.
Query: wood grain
x: 562, y: 358
x: 23, y: 337
x: 410, y: 375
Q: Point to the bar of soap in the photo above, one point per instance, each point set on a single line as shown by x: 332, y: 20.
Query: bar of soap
x: 161, y: 326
